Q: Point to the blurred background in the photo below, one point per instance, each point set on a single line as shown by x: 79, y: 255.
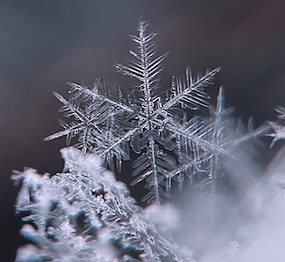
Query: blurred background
x: 44, y: 44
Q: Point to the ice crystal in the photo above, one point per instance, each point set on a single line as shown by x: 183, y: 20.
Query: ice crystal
x: 226, y: 136
x: 94, y: 123
x: 171, y: 145
x: 108, y: 125
x: 84, y: 214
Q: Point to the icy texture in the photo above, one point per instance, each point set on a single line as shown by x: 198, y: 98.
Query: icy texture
x: 84, y: 214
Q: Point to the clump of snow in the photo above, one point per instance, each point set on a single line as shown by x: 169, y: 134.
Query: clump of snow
x: 263, y: 237
x: 250, y: 228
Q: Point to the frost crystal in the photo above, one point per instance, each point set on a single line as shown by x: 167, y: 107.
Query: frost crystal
x: 226, y: 137
x: 151, y: 126
x: 84, y: 214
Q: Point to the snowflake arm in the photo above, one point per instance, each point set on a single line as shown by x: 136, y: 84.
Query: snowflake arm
x: 189, y: 92
x: 145, y: 67
x: 94, y: 95
x: 278, y: 126
x: 258, y: 132
x: 96, y: 123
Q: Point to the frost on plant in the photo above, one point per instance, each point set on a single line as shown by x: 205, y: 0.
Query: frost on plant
x: 84, y: 214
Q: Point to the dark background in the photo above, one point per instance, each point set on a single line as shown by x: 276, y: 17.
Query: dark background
x: 44, y: 44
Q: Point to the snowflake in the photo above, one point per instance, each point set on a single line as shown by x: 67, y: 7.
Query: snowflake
x: 108, y: 125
